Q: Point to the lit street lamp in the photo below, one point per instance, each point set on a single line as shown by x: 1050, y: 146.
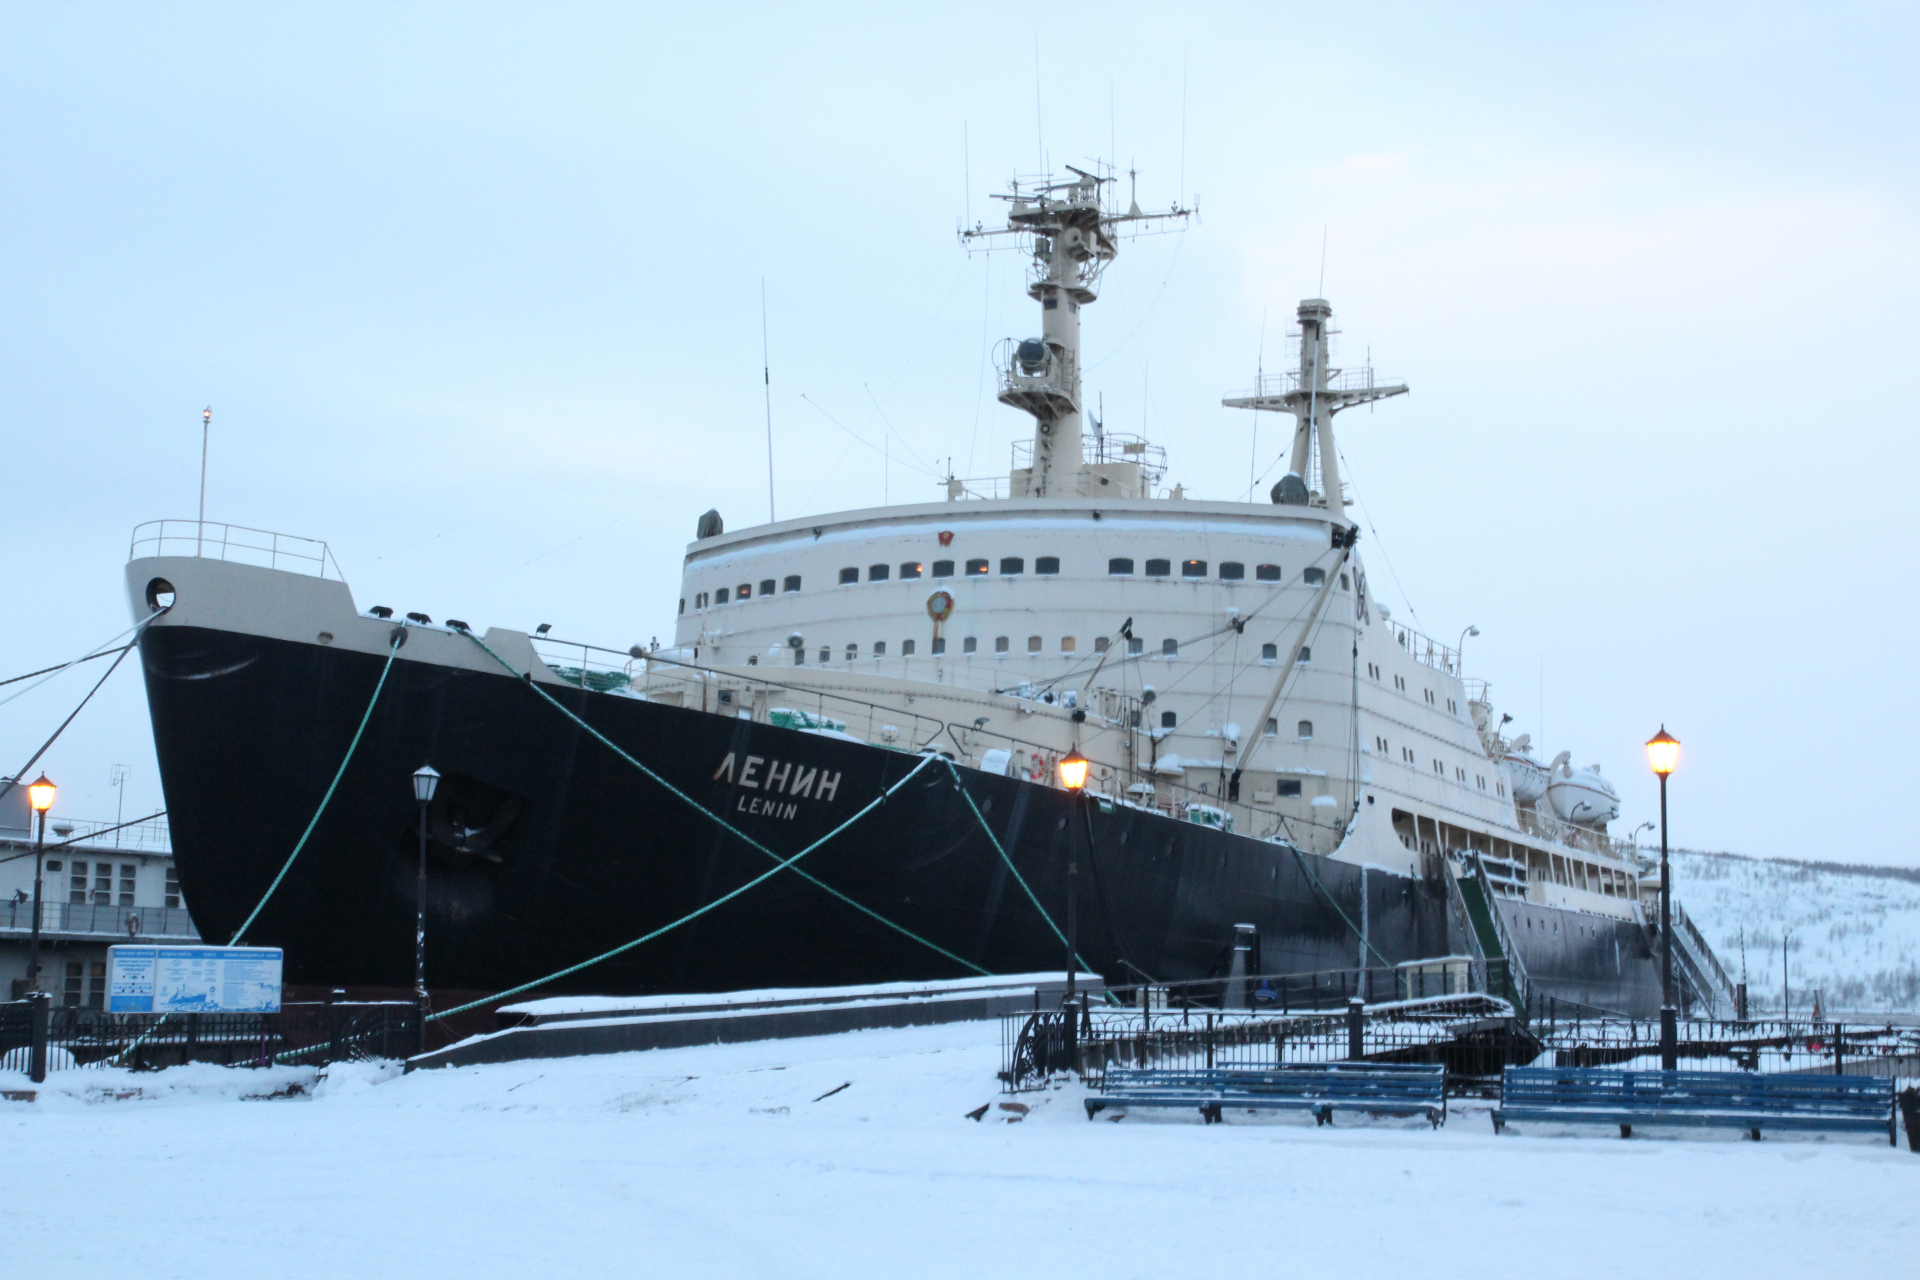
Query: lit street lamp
x: 1663, y: 753
x: 425, y: 780
x: 1073, y: 775
x: 40, y: 795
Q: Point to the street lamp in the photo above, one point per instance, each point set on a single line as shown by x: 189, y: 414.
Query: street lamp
x: 1663, y: 753
x: 40, y: 795
x: 426, y: 779
x: 1461, y: 647
x: 1073, y: 776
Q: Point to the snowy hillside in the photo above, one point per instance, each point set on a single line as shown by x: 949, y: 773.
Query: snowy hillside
x: 1853, y: 932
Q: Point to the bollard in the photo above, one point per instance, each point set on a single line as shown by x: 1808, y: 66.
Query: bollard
x: 1356, y: 1029
x: 39, y: 1014
x: 1243, y: 935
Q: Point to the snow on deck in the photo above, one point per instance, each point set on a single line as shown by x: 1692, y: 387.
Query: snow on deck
x: 850, y: 1156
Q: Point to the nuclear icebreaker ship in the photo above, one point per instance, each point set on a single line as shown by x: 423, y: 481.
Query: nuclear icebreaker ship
x: 1271, y: 752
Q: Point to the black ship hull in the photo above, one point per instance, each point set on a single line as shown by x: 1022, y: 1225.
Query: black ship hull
x: 546, y: 848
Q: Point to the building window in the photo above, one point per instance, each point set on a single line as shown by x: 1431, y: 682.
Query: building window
x: 976, y: 568
x: 792, y: 583
x: 129, y: 875
x: 1314, y: 577
x: 1306, y: 655
x: 1168, y: 648
x: 879, y: 648
x: 1306, y: 728
x: 766, y: 586
x: 970, y: 645
x: 877, y: 572
x: 1168, y: 719
x: 1136, y: 644
x: 911, y: 569
x: 76, y: 984
x: 1000, y: 644
x: 1066, y: 644
x: 1288, y: 787
x: 1193, y: 568
x: 906, y: 648
x: 939, y: 645
x: 1119, y: 566
x: 1033, y: 644
x: 849, y: 575
x: 1232, y: 571
x: 1046, y: 564
x: 720, y: 596
x: 1099, y: 644
x: 1012, y: 565
x: 1269, y: 653
x: 1159, y: 568
x: 853, y: 651
x: 943, y: 568
x: 1267, y: 572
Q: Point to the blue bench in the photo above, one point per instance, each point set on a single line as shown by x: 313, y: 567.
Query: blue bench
x: 1322, y: 1088
x: 1721, y: 1099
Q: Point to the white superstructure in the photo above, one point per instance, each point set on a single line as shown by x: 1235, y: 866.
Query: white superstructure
x: 1222, y: 661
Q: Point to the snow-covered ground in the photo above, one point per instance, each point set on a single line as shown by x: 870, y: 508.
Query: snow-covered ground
x: 851, y: 1156
x: 1854, y: 932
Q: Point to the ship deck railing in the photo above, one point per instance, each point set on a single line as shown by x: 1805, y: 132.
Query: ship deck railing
x: 97, y: 920
x: 212, y: 540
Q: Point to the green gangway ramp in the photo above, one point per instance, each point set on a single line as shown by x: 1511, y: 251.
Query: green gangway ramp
x: 1480, y: 916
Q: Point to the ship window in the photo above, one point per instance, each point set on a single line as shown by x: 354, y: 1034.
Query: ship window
x: 853, y: 651
x: 792, y: 583
x: 1169, y: 647
x: 1099, y: 644
x: 970, y: 645
x: 1314, y: 577
x: 943, y: 568
x: 766, y: 586
x: 683, y: 604
x: 1000, y: 644
x: 1232, y: 571
x: 1439, y: 768
x: 1500, y: 788
x: 1343, y: 583
x: 1050, y: 304
x: 1380, y: 745
x: 1267, y: 572
x: 910, y: 570
x: 849, y: 575
x: 1133, y: 719
x: 720, y: 596
x: 743, y: 592
x: 700, y: 601
x: 1306, y: 728
x: 1159, y: 568
x: 77, y: 887
x: 1193, y: 568
x: 879, y: 648
x: 172, y: 887
x: 1066, y: 644
x: 1306, y: 655
x: 53, y: 864
x: 1119, y: 565
x: 127, y: 877
x: 1136, y: 644
x: 939, y: 645
x: 1012, y: 564
x: 976, y: 567
x: 1046, y: 564
x: 1273, y: 727
x: 906, y: 648
x: 877, y: 572
x: 826, y: 655
x: 1033, y: 644
x: 1269, y: 653
x: 1288, y: 786
x: 1168, y: 719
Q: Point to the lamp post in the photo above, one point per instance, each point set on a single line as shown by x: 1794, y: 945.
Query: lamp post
x: 1663, y: 753
x: 1073, y: 775
x: 1460, y: 648
x: 425, y: 780
x: 40, y: 795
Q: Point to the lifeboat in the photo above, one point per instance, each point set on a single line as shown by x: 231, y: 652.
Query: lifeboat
x: 1527, y: 778
x: 1581, y: 796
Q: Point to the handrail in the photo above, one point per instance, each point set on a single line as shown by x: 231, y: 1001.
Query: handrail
x: 213, y: 540
x: 1516, y: 967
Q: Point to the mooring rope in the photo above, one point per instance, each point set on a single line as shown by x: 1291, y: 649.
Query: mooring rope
x: 1018, y: 879
x: 1301, y: 858
x: 393, y: 648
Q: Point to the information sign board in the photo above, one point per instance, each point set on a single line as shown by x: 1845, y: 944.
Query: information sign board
x: 193, y: 979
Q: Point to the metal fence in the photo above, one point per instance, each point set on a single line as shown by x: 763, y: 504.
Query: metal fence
x: 308, y: 1034
x: 123, y: 924
x: 1772, y: 1047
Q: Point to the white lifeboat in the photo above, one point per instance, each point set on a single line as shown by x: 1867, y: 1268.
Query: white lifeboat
x: 1582, y: 796
x: 1526, y: 777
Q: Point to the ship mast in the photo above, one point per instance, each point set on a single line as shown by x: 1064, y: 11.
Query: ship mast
x: 1073, y: 238
x: 1313, y: 395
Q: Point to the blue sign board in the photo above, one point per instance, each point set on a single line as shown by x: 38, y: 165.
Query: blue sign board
x: 193, y: 979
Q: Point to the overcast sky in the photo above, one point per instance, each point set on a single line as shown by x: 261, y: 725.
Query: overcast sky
x: 474, y: 292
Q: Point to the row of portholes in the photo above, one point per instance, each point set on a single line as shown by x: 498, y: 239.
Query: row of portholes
x: 743, y: 592
x: 1136, y: 646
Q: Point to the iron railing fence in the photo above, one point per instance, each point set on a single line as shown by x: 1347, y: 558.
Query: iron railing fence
x: 310, y: 1034
x: 1710, y: 1044
x: 1473, y: 1036
x: 123, y: 924
x: 1323, y: 990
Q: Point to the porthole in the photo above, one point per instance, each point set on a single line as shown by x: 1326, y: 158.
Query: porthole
x: 911, y: 569
x: 1119, y: 566
x: 1314, y: 577
x: 943, y: 568
x: 1193, y: 568
x: 1232, y: 571
x: 977, y: 568
x: 1012, y: 564
x: 160, y: 594
x: 1267, y: 572
x: 849, y: 575
x: 1046, y: 564
x: 792, y: 583
x: 766, y: 586
x: 878, y: 572
x: 1159, y: 568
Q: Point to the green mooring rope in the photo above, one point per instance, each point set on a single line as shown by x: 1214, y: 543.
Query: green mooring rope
x: 1301, y: 858
x: 1017, y: 877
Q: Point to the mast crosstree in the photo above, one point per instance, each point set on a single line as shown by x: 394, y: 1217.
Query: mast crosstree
x: 1073, y: 237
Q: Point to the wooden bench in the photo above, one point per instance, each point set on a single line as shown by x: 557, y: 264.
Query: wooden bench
x: 1722, y: 1099
x: 1322, y: 1088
